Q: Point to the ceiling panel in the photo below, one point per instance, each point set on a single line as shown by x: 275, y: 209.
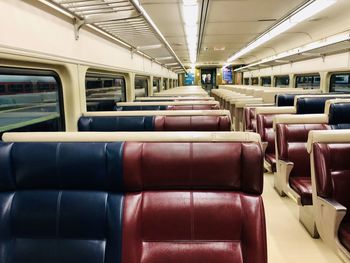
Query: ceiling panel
x: 232, y: 24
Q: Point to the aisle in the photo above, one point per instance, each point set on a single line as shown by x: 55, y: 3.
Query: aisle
x: 287, y: 239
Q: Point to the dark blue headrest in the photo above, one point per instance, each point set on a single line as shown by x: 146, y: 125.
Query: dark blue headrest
x: 313, y: 105
x: 64, y: 166
x: 283, y: 100
x: 341, y: 126
x: 339, y: 113
x: 137, y: 108
x: 116, y: 123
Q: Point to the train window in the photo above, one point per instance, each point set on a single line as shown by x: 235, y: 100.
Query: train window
x: 164, y: 84
x: 30, y: 100
x: 340, y: 82
x: 141, y: 87
x: 255, y: 81
x: 266, y: 81
x: 103, y: 91
x: 246, y: 81
x: 156, y: 85
x: 282, y: 81
x: 308, y: 81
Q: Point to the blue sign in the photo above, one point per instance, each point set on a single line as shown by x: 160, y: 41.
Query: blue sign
x: 227, y: 75
x: 189, y: 79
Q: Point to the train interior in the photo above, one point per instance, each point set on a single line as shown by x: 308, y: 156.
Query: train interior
x: 153, y: 131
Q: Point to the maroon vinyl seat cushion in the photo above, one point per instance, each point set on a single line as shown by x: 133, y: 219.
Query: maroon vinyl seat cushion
x: 265, y: 129
x: 291, y: 145
x: 302, y: 185
x: 332, y: 175
x: 249, y: 117
x: 194, y: 107
x: 193, y: 202
x: 192, y: 123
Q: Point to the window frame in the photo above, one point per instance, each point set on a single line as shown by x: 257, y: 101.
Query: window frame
x: 265, y: 77
x: 334, y: 74
x: 39, y: 73
x: 280, y: 76
x: 142, y: 78
x: 313, y: 75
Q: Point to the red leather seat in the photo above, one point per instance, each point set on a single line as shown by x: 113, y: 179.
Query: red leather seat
x: 193, y: 202
x: 195, y: 107
x: 192, y: 123
x: 265, y: 129
x: 250, y: 120
x: 332, y: 176
x: 291, y: 145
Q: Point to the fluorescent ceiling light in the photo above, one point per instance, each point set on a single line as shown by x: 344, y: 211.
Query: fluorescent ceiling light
x: 190, y: 17
x: 308, y: 10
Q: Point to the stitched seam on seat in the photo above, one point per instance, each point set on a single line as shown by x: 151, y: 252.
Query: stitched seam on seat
x: 58, y: 170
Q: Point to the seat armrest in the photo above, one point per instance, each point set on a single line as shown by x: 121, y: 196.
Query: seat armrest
x: 328, y: 215
x: 284, y: 169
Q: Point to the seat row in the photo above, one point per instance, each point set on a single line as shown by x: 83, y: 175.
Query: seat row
x: 131, y: 198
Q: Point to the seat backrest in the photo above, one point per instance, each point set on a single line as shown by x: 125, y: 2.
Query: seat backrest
x: 332, y: 172
x: 198, y: 216
x: 249, y: 119
x: 264, y: 126
x: 60, y: 202
x: 132, y: 202
x: 283, y: 100
x: 292, y: 145
x: 155, y: 123
x: 339, y: 115
x: 192, y: 123
x: 141, y: 107
x: 194, y: 107
x: 314, y: 104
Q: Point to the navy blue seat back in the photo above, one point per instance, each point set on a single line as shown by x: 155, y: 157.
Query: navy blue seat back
x: 116, y: 123
x: 339, y: 115
x: 313, y: 105
x: 60, y: 202
x: 138, y: 108
x: 283, y: 100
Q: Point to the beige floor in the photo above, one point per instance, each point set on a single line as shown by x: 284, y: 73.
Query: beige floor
x: 287, y: 239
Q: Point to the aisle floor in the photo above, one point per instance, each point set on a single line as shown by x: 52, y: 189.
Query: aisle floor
x: 287, y: 239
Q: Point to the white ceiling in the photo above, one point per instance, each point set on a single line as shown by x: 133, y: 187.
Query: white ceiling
x: 232, y: 24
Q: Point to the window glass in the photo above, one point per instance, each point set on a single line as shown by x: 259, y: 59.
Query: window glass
x: 308, y: 82
x: 340, y: 82
x: 30, y: 100
x: 246, y: 81
x: 156, y: 85
x: 282, y: 81
x: 255, y: 81
x: 141, y: 85
x: 266, y: 81
x: 103, y: 91
x: 164, y: 84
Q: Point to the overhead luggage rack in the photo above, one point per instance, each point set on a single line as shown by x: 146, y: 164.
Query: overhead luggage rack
x: 126, y: 21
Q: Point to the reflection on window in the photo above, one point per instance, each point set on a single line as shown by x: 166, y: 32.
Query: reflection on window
x: 141, y: 85
x: 340, y: 82
x: 103, y: 91
x: 266, y: 81
x: 29, y: 101
x: 246, y: 81
x: 255, y: 81
x: 156, y: 85
x: 282, y: 81
x: 308, y: 82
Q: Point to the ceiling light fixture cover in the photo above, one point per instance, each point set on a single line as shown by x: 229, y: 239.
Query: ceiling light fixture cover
x: 190, y: 17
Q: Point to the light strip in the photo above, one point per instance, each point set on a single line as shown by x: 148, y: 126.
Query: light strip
x: 345, y: 36
x: 308, y: 10
x: 190, y: 17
